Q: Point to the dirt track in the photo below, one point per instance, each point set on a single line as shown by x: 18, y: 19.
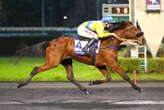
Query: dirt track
x: 65, y: 96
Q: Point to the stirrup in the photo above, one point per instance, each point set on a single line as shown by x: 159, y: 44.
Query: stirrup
x: 85, y: 49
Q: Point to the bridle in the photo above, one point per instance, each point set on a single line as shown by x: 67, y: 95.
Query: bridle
x: 129, y: 28
x: 136, y: 35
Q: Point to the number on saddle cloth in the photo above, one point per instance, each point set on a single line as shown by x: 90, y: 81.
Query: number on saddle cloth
x: 79, y: 44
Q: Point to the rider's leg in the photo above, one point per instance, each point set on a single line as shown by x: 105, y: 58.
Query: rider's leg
x: 92, y: 36
x: 90, y: 42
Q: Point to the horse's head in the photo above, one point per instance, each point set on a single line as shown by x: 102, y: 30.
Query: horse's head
x: 128, y: 31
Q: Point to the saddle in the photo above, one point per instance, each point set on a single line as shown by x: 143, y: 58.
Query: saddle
x: 81, y: 43
x: 92, y: 50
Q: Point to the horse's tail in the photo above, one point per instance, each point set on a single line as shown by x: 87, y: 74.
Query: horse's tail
x: 34, y: 50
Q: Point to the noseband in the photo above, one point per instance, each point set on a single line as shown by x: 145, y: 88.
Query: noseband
x: 139, y: 34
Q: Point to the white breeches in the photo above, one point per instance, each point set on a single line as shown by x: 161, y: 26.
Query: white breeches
x: 84, y: 32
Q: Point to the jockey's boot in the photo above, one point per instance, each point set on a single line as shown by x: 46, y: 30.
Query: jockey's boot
x: 85, y: 49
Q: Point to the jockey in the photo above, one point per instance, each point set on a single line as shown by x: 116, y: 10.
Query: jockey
x: 95, y: 30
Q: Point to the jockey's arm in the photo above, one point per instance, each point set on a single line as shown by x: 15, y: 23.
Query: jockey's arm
x: 101, y: 34
x: 127, y: 41
x: 99, y: 28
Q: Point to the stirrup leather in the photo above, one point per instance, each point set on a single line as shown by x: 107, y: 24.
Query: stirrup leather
x: 88, y: 45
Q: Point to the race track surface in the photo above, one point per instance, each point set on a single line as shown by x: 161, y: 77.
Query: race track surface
x: 65, y: 96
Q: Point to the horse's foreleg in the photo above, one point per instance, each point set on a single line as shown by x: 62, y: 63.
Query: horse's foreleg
x: 115, y: 66
x: 67, y: 63
x: 105, y: 72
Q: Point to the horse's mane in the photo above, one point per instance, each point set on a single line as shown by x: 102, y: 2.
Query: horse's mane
x: 118, y: 25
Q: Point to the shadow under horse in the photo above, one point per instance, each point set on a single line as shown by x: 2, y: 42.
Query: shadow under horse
x: 61, y: 51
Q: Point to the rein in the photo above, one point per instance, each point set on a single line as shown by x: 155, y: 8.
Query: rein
x: 112, y: 47
x: 108, y: 47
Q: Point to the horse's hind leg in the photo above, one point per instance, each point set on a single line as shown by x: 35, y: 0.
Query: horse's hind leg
x: 67, y: 63
x: 34, y: 72
x: 105, y: 72
x: 53, y: 58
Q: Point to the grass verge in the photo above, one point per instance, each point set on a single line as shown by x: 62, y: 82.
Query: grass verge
x: 82, y: 72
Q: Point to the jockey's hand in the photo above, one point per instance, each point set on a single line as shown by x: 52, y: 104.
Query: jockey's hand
x: 115, y: 35
x: 129, y: 41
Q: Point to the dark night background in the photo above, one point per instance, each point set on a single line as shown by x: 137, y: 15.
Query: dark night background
x: 28, y: 13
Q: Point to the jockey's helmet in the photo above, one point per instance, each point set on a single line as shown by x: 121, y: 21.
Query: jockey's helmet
x: 108, y: 19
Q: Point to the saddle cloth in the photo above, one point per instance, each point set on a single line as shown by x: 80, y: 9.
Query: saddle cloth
x: 79, y: 44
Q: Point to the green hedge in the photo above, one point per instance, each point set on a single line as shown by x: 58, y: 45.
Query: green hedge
x: 128, y: 65
x: 154, y: 65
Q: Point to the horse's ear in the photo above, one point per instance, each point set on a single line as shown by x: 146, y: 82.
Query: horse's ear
x: 138, y: 26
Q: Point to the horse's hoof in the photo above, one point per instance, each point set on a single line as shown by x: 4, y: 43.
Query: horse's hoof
x: 96, y: 82
x: 20, y: 85
x: 86, y: 92
x: 140, y: 90
x: 91, y: 83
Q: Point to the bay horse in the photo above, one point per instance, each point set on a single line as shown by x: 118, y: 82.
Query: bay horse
x: 61, y: 51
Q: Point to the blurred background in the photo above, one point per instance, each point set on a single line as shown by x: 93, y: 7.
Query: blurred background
x: 26, y: 22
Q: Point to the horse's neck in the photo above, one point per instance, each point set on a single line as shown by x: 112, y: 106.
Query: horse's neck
x: 117, y: 42
x: 114, y: 41
x: 110, y: 42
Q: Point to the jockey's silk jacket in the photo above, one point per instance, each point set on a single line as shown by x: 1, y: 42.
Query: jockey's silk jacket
x: 97, y: 27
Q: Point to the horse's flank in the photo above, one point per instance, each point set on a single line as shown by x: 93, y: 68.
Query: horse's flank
x: 68, y: 46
